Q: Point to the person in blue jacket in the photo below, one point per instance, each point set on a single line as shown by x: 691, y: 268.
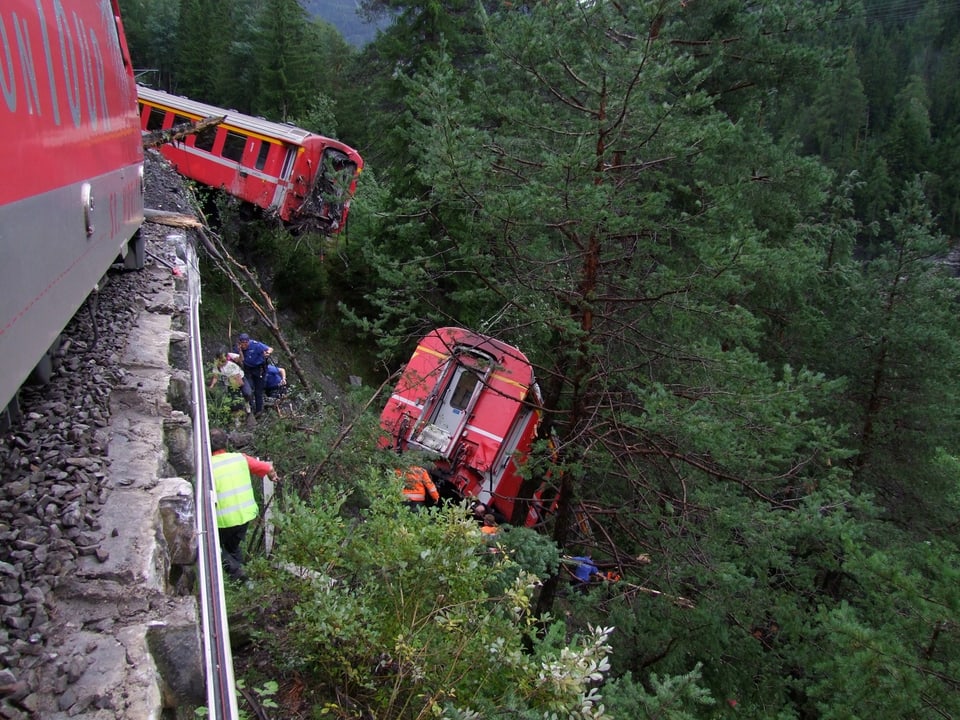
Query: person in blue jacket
x: 275, y: 381
x: 584, y: 570
x: 255, y: 354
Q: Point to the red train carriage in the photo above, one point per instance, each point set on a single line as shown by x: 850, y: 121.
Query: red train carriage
x: 307, y: 180
x: 71, y: 199
x: 473, y: 402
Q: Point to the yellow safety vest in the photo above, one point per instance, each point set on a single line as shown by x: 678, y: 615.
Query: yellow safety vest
x: 231, y: 478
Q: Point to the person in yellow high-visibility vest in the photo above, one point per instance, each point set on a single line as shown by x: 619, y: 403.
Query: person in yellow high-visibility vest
x: 236, y: 504
x: 417, y: 485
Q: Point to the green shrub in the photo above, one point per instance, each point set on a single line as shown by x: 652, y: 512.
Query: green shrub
x: 395, y: 612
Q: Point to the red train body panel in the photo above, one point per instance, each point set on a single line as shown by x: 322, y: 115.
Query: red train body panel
x: 471, y: 401
x: 72, y: 195
x: 306, y: 179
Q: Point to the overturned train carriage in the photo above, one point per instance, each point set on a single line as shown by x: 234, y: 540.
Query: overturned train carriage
x: 472, y: 402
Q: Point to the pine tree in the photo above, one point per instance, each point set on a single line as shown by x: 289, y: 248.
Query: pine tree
x: 904, y: 337
x: 151, y: 32
x: 201, y: 43
x: 908, y: 143
x: 598, y: 191
x: 839, y: 117
x: 286, y: 56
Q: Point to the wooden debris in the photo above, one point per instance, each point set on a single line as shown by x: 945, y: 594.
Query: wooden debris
x: 164, y: 217
x: 156, y: 138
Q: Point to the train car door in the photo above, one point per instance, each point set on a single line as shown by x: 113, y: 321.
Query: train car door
x: 234, y: 148
x: 453, y: 407
x: 285, y: 183
x: 457, y: 399
x: 258, y: 185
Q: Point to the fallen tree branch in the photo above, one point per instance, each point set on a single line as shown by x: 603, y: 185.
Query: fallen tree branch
x: 156, y: 138
x: 345, y: 432
x: 172, y: 219
x: 242, y: 277
x: 677, y: 600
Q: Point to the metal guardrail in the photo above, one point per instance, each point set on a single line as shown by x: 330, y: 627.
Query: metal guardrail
x: 218, y: 657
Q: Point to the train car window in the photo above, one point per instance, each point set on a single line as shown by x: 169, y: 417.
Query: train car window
x: 155, y: 120
x: 262, y: 155
x: 288, y: 163
x: 181, y: 119
x: 233, y: 145
x: 205, y: 138
x: 464, y: 390
x: 338, y: 172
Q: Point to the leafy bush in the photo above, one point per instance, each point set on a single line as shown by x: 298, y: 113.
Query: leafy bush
x: 393, y: 612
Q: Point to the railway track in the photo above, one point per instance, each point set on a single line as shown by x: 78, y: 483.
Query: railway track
x: 217, y: 655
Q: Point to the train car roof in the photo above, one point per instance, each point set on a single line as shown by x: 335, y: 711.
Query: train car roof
x: 448, y: 339
x: 281, y: 131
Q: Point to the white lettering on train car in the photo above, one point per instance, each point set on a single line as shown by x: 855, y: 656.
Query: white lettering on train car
x: 29, y: 70
x: 87, y: 69
x: 101, y: 78
x: 73, y: 62
x: 7, y: 87
x: 49, y: 57
x: 68, y: 55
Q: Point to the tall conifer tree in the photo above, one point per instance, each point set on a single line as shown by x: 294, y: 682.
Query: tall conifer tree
x: 600, y: 192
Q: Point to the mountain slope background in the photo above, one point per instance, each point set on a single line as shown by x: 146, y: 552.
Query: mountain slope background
x: 344, y: 16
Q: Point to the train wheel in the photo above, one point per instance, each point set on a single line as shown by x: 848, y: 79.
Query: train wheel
x: 10, y: 416
x: 136, y: 249
x: 43, y: 371
x: 41, y: 374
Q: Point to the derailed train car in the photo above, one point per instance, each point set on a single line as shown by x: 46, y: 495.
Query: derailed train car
x: 305, y: 179
x: 472, y: 402
x: 71, y: 199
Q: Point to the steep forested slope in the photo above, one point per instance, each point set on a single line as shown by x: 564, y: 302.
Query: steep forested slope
x: 715, y: 229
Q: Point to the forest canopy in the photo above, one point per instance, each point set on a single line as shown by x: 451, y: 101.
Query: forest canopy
x: 722, y: 232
